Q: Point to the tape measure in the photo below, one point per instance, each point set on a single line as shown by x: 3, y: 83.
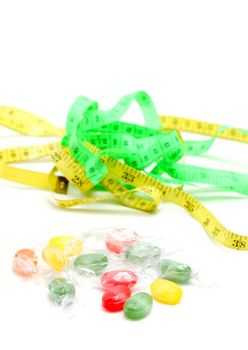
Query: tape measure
x: 99, y: 151
x: 204, y: 128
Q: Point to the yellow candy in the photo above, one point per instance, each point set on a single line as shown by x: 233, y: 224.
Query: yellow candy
x: 69, y: 244
x: 166, y: 292
x: 54, y: 257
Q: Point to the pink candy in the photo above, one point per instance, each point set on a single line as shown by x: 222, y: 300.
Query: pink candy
x: 119, y: 239
x: 115, y: 278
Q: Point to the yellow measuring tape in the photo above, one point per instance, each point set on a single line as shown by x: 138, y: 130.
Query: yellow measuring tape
x: 146, y: 192
x: 203, y: 128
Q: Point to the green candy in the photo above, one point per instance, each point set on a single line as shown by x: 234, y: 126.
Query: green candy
x: 91, y: 263
x: 61, y: 290
x: 142, y: 254
x: 138, y: 306
x: 175, y: 271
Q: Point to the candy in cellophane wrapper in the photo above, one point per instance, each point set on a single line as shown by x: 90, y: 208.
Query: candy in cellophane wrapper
x: 129, y: 270
x: 49, y: 266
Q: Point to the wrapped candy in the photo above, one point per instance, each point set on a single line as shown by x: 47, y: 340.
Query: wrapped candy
x: 117, y: 240
x: 71, y: 245
x: 142, y: 254
x: 25, y: 263
x: 114, y: 278
x: 61, y: 291
x: 118, y: 271
x: 55, y: 258
x: 175, y: 271
x: 94, y: 263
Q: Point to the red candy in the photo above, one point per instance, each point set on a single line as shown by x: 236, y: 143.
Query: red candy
x: 118, y: 277
x: 119, y: 239
x: 114, y: 299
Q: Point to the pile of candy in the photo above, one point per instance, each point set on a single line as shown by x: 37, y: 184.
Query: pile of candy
x: 64, y: 254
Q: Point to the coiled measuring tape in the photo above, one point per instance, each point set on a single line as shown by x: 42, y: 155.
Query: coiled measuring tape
x: 99, y: 152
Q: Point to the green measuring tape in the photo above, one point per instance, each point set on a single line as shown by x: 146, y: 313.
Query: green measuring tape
x: 140, y: 165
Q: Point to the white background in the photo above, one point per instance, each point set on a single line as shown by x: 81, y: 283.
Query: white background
x: 192, y: 57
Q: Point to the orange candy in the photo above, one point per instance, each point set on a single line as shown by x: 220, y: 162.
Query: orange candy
x: 25, y: 263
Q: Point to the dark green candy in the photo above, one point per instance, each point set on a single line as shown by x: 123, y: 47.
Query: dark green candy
x: 142, y: 254
x: 175, y: 271
x: 138, y: 306
x: 91, y: 263
x: 61, y: 290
